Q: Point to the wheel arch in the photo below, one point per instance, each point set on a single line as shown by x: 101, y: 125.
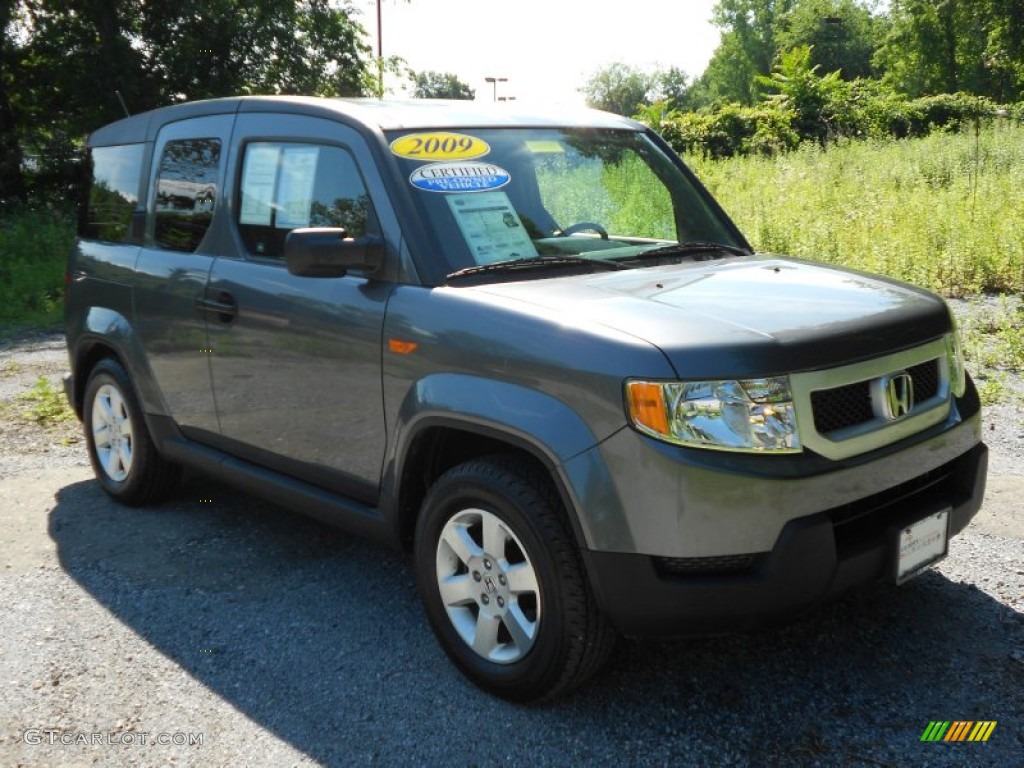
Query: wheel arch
x: 106, y: 333
x: 447, y: 418
x: 86, y: 357
x: 439, y: 443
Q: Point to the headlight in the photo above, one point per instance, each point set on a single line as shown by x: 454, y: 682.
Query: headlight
x: 955, y: 358
x: 733, y: 415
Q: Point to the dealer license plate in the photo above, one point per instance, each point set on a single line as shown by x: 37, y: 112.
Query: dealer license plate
x: 921, y: 544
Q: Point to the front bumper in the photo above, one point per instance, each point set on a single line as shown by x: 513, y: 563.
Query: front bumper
x: 815, y: 558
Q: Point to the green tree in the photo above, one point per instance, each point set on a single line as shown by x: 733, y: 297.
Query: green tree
x: 75, y: 58
x: 819, y: 104
x: 440, y: 85
x: 842, y: 34
x: 66, y: 65
x: 1004, y: 50
x: 747, y: 49
x: 206, y: 48
x: 945, y: 46
x: 675, y: 88
x: 12, y: 186
x: 618, y: 88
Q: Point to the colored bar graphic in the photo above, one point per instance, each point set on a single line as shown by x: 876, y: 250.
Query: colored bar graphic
x: 982, y: 730
x: 935, y: 730
x: 958, y: 730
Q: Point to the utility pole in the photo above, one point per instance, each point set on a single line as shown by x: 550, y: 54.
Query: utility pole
x: 380, y: 55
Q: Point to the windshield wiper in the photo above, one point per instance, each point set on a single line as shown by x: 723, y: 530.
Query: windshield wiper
x: 685, y: 249
x: 536, y: 262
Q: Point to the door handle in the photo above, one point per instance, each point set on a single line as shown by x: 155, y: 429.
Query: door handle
x: 223, y: 306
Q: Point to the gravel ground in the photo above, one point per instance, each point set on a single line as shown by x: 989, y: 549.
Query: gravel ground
x: 274, y: 640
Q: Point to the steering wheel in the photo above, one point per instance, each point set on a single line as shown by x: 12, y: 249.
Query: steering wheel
x: 583, y: 226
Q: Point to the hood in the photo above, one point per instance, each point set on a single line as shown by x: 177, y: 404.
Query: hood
x: 749, y: 316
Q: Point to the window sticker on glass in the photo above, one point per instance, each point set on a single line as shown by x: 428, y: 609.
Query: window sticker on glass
x: 258, y: 178
x: 540, y: 147
x: 491, y: 227
x: 439, y: 146
x: 469, y: 176
x: 295, y: 192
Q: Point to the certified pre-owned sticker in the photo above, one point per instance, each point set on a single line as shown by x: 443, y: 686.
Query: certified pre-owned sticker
x: 459, y: 177
x: 439, y: 146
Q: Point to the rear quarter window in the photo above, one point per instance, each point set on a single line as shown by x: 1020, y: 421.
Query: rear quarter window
x: 114, y: 175
x: 186, y: 191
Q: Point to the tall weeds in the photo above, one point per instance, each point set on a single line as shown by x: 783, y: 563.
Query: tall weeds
x: 945, y: 212
x: 34, y: 246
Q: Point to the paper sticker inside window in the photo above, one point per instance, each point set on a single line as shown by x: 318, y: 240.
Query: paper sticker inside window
x: 258, y: 179
x: 491, y: 227
x: 295, y: 192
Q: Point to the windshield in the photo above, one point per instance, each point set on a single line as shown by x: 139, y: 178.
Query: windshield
x: 491, y: 196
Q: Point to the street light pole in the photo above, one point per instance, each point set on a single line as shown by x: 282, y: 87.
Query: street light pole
x: 494, y: 83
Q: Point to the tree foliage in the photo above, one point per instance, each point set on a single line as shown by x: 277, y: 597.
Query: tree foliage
x: 944, y: 46
x: 920, y: 47
x: 841, y: 34
x: 65, y: 63
x: 618, y: 88
x: 440, y: 85
x: 11, y: 183
x: 748, y: 47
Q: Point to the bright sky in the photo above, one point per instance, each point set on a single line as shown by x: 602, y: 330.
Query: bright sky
x: 546, y: 48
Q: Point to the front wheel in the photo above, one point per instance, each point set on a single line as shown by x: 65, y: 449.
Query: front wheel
x: 122, y: 453
x: 502, y: 581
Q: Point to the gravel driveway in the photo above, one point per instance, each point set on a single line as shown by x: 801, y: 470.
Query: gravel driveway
x: 218, y: 630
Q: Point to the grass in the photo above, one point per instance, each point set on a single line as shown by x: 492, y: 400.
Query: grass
x: 993, y: 339
x: 943, y: 212
x: 45, y: 405
x: 34, y: 246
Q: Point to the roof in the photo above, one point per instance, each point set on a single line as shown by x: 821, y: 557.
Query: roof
x: 373, y: 113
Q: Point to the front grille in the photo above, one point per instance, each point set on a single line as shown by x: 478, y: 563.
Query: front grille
x: 926, y: 380
x: 703, y: 566
x: 841, y: 407
x: 850, y: 404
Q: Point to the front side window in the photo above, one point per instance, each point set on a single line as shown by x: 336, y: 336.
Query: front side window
x: 285, y: 186
x: 113, y: 192
x: 186, y: 190
x: 497, y: 195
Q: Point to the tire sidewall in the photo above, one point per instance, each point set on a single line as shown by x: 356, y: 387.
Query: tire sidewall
x: 541, y: 666
x: 110, y: 373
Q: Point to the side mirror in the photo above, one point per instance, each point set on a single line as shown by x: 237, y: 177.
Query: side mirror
x: 330, y: 252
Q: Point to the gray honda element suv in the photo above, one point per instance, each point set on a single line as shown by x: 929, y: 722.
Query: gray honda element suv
x: 530, y: 348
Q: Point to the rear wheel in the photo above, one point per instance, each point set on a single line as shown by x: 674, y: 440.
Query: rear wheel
x: 122, y: 453
x: 502, y: 581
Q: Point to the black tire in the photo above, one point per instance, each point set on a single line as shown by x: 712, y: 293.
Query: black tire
x: 122, y: 453
x: 547, y: 640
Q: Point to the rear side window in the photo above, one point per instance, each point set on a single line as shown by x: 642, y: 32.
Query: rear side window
x: 285, y: 186
x: 186, y: 190
x: 113, y: 193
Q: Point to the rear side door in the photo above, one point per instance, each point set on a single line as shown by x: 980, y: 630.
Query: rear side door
x: 185, y: 186
x: 296, y: 361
